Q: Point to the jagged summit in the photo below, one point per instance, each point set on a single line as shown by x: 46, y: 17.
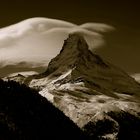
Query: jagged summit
x: 74, y: 46
x: 76, y: 41
x: 75, y: 52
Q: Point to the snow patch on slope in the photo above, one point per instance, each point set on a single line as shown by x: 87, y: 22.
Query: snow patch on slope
x: 24, y: 73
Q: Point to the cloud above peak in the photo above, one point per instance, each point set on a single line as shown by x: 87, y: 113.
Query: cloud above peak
x: 35, y: 41
x: 136, y: 76
x: 98, y: 27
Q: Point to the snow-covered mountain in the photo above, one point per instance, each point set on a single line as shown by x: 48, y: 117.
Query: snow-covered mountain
x: 77, y: 65
x: 90, y: 90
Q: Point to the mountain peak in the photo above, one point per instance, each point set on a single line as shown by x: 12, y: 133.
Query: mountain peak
x: 76, y: 42
x: 75, y: 54
x: 75, y: 37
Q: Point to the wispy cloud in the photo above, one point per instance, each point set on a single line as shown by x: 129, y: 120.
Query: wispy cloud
x: 35, y: 41
x: 136, y: 76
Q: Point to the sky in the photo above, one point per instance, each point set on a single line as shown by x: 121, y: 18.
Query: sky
x: 79, y: 11
x: 122, y: 46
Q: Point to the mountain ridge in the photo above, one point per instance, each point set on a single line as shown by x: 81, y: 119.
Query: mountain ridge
x: 75, y: 48
x: 76, y: 62
x: 89, y: 90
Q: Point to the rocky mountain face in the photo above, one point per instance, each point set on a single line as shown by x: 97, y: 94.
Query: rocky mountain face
x: 100, y: 98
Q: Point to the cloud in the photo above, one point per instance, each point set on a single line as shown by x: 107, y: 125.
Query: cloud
x: 35, y: 41
x: 97, y: 27
x: 136, y: 76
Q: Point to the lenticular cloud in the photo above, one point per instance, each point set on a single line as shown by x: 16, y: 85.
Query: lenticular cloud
x: 35, y: 41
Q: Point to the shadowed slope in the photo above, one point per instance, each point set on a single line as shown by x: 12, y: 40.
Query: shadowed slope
x: 25, y: 115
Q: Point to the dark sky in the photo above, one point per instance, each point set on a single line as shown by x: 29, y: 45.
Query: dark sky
x: 123, y: 46
x: 77, y: 11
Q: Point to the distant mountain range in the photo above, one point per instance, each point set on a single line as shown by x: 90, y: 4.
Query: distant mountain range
x: 102, y: 99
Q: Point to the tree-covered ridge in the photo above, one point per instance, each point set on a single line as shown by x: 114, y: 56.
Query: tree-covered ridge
x: 25, y: 115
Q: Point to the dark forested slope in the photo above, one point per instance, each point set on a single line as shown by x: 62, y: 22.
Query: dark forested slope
x: 24, y: 114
